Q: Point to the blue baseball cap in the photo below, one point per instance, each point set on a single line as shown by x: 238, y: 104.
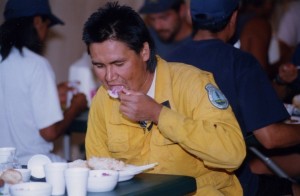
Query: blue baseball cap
x: 22, y: 8
x: 214, y: 10
x: 156, y: 6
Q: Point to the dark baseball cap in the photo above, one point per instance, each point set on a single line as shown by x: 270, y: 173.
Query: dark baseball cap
x: 214, y: 10
x: 156, y: 6
x: 22, y: 8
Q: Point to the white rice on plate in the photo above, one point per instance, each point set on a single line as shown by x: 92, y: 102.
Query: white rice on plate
x: 105, y: 163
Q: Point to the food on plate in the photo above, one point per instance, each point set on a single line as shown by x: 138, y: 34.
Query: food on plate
x: 105, y: 163
x: 78, y: 163
x: 11, y: 176
x: 105, y: 174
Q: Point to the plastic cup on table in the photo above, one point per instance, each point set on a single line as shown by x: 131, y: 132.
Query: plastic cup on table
x: 55, y: 176
x: 7, y: 154
x: 76, y: 181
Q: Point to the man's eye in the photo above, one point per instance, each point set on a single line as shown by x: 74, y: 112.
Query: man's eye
x: 98, y: 65
x: 119, y: 64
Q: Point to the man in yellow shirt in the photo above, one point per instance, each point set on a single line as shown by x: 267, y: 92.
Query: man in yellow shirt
x: 170, y: 113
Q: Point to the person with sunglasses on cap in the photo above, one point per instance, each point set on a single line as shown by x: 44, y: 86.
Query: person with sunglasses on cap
x: 168, y: 22
x: 148, y: 110
x: 31, y: 117
x: 259, y: 111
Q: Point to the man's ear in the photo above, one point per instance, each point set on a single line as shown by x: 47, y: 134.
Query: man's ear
x: 183, y: 11
x: 145, y: 52
x: 231, y: 26
x: 37, y: 22
x: 233, y: 19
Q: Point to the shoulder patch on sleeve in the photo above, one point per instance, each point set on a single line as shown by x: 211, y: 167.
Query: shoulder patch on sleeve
x: 216, y: 97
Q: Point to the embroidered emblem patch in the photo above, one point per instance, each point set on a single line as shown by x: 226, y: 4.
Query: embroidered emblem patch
x: 216, y: 97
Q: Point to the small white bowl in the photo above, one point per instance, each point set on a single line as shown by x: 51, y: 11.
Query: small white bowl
x: 26, y: 173
x: 31, y: 189
x: 102, y: 180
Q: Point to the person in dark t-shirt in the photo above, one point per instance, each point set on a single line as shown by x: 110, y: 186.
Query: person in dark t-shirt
x: 239, y: 75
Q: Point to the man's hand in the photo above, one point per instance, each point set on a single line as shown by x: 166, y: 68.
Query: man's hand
x: 63, y: 89
x: 137, y: 106
x: 79, y: 102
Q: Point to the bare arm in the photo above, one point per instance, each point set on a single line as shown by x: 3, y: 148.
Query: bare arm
x: 255, y: 39
x: 78, y: 105
x: 278, y: 135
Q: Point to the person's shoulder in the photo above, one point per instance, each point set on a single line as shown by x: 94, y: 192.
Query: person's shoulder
x: 257, y: 24
x: 237, y: 52
x: 186, y: 72
x: 178, y: 53
x: 34, y: 57
x: 35, y: 62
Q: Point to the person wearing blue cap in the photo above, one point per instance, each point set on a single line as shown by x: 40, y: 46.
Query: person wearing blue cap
x: 260, y: 112
x: 31, y: 117
x: 168, y: 23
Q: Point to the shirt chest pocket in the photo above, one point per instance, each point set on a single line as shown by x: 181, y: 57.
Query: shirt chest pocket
x: 118, y: 138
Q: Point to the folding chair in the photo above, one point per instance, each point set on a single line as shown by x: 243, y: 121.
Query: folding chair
x: 273, y: 166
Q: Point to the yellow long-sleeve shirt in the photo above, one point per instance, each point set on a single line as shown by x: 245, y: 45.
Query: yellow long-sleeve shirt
x: 197, y: 135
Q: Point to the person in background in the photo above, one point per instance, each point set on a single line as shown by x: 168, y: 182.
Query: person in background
x: 289, y: 32
x: 287, y: 82
x: 259, y: 111
x: 168, y: 23
x: 81, y: 71
x: 31, y: 117
x: 148, y: 110
x: 254, y: 30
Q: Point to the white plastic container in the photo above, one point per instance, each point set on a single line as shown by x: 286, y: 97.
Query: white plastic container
x: 81, y: 71
x: 7, y: 154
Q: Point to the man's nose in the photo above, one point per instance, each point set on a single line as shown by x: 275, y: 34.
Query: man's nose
x: 110, y: 74
x: 157, y: 24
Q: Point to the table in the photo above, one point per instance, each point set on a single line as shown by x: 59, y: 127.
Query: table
x: 79, y: 125
x: 153, y: 184
x: 146, y: 184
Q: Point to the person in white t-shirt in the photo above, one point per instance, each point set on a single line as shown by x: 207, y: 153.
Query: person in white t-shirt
x: 289, y: 31
x: 31, y: 117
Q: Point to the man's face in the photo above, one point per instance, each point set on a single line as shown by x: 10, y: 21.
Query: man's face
x: 118, y: 66
x: 166, y: 24
x: 42, y: 27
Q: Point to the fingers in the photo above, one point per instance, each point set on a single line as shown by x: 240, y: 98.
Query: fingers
x: 127, y: 92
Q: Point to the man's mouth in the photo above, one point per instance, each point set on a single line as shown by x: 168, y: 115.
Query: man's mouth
x: 113, y: 92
